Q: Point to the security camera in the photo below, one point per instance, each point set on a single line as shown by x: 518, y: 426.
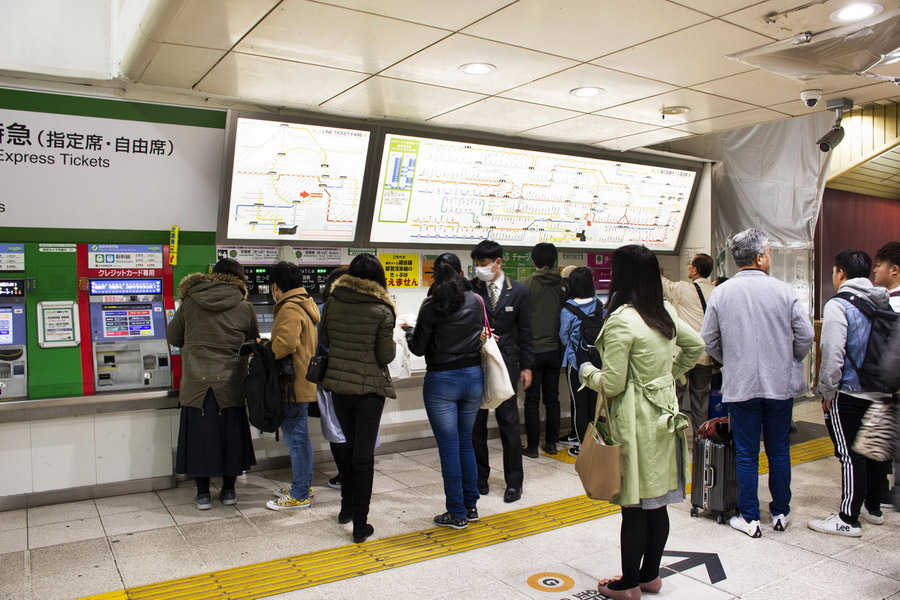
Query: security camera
x: 831, y: 139
x: 810, y: 97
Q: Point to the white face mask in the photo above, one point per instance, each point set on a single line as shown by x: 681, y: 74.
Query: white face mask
x: 484, y: 273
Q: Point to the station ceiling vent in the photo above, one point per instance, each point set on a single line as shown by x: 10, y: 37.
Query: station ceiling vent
x: 860, y: 48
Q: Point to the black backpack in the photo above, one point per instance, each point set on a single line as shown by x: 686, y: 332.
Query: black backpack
x: 589, y: 328
x: 268, y: 386
x: 882, y: 344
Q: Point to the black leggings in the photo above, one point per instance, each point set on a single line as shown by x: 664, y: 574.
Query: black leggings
x: 643, y: 539
x: 203, y: 483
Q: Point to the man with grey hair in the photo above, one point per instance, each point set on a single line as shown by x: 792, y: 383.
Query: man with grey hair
x: 756, y: 327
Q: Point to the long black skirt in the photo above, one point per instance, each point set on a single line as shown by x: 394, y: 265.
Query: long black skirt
x: 213, y: 443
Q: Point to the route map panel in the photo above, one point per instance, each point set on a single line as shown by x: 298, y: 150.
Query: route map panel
x: 292, y: 181
x: 446, y: 192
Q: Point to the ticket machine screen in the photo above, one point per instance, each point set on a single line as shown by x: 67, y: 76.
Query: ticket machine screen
x: 127, y: 321
x: 6, y: 326
x: 15, y: 288
x: 116, y: 287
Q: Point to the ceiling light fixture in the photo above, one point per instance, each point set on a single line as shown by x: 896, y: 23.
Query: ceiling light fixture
x: 855, y: 12
x: 586, y: 92
x: 477, y: 68
x: 669, y: 111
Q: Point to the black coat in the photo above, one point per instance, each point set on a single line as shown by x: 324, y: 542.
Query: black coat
x: 511, y: 320
x: 451, y: 338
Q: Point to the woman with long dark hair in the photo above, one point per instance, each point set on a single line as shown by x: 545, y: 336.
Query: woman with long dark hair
x: 358, y: 330
x: 637, y: 346
x: 448, y: 332
x: 210, y: 325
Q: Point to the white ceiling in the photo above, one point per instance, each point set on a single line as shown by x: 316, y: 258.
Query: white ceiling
x: 399, y: 59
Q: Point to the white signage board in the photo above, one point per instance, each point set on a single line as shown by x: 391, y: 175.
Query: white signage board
x: 58, y: 324
x: 433, y: 191
x: 74, y: 172
x: 294, y: 181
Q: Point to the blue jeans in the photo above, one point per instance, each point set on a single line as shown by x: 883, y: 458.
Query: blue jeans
x: 773, y: 419
x: 452, y: 400
x: 295, y: 429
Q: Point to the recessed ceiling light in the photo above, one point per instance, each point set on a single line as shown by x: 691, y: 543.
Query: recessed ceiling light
x: 477, y: 68
x: 855, y: 12
x: 586, y: 92
x: 668, y: 111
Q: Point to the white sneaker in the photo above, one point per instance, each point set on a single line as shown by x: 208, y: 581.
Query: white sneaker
x: 835, y: 525
x: 751, y: 528
x: 873, y: 518
x: 780, y: 522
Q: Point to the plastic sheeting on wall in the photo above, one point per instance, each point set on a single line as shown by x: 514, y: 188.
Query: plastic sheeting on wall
x: 769, y: 176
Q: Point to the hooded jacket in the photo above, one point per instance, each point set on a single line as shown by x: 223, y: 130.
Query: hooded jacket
x: 294, y: 333
x: 845, y: 334
x: 547, y: 295
x: 358, y: 330
x: 214, y: 319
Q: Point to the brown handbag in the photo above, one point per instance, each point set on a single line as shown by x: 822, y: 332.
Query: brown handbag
x: 598, y: 460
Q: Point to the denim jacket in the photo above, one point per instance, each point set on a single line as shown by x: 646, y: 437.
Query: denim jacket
x: 858, y: 328
x: 845, y: 335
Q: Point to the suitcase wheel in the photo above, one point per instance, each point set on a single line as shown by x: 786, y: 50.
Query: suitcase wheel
x: 720, y: 518
x: 695, y: 511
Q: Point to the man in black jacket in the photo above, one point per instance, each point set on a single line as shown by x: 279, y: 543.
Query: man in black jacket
x: 509, y: 312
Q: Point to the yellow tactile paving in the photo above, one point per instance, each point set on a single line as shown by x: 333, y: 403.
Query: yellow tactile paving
x: 308, y: 570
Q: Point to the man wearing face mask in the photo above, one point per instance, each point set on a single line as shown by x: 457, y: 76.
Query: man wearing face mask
x: 509, y: 313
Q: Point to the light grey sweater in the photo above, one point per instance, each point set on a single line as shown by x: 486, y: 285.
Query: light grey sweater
x: 756, y: 327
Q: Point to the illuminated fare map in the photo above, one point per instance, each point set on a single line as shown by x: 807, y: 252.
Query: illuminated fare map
x: 444, y: 192
x: 292, y: 181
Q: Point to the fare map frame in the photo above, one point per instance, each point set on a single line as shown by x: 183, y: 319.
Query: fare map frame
x: 324, y: 181
x: 520, y: 231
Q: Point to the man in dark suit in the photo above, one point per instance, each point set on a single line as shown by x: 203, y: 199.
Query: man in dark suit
x: 509, y: 313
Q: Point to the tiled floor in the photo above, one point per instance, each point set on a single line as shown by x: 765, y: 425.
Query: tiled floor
x: 83, y: 548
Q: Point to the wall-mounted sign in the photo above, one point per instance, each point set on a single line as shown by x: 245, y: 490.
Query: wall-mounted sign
x: 58, y: 324
x: 12, y: 257
x: 401, y: 270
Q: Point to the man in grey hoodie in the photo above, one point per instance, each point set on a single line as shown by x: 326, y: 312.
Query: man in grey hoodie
x: 845, y: 334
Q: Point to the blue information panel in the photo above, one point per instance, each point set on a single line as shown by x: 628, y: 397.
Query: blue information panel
x: 116, y: 287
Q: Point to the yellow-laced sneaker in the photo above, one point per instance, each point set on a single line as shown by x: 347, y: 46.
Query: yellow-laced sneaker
x: 286, y: 491
x: 287, y: 503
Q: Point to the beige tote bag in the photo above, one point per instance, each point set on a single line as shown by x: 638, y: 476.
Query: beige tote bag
x: 598, y: 460
x: 497, y: 386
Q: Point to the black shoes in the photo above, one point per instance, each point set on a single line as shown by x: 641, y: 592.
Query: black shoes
x: 549, y: 448
x: 512, y: 494
x: 335, y: 482
x: 360, y: 536
x: 448, y: 520
x: 472, y: 515
x: 530, y: 451
x: 483, y: 488
x: 228, y: 497
x: 345, y: 517
x: 204, y: 502
x: 570, y: 440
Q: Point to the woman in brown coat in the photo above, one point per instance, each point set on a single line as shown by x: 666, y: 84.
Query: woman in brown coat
x: 210, y: 325
x: 294, y: 334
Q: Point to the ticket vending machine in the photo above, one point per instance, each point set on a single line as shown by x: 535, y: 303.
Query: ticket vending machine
x: 259, y: 291
x: 13, y: 351
x: 128, y: 334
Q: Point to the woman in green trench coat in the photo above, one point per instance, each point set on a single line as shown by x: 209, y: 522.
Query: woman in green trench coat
x: 637, y: 346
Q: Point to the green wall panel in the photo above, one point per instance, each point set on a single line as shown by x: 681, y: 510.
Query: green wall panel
x: 52, y: 372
